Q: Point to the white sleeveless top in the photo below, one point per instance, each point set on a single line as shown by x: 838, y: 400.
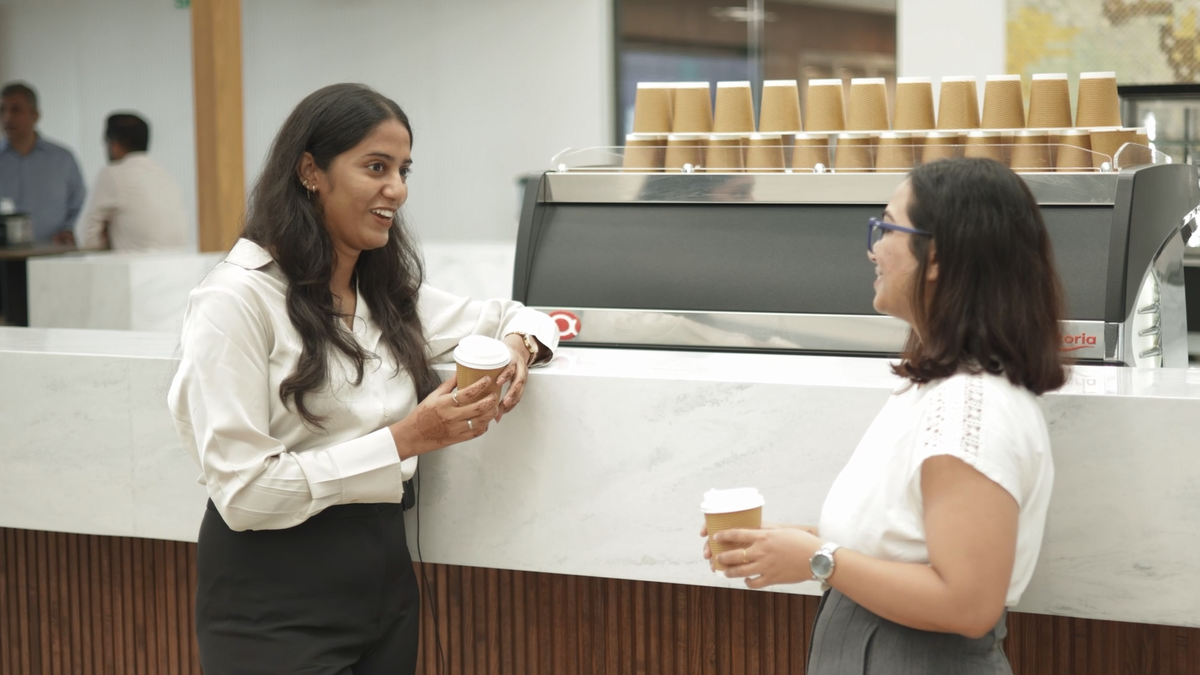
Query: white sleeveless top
x: 875, y: 506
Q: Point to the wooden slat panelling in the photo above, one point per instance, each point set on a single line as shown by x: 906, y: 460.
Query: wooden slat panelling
x: 84, y: 604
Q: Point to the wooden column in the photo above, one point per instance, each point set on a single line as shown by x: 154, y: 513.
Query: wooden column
x: 217, y: 75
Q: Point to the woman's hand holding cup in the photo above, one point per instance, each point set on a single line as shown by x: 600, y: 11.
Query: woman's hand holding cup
x: 447, y: 417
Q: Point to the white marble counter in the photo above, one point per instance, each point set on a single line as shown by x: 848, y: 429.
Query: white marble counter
x: 601, y: 470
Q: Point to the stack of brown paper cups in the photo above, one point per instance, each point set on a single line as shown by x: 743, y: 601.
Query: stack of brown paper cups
x: 1030, y: 151
x: 652, y: 108
x: 811, y: 151
x: 765, y: 153
x: 692, y: 112
x: 725, y: 153
x: 1107, y: 142
x: 868, y: 110
x: 1098, y: 104
x: 940, y: 145
x: 644, y: 152
x: 826, y: 106
x: 1003, y: 103
x: 958, y: 103
x: 1074, y: 151
x: 854, y: 153
x: 735, y: 109
x: 895, y: 152
x: 684, y: 149
x: 984, y: 144
x: 1049, y: 101
x: 914, y: 104
x: 780, y: 107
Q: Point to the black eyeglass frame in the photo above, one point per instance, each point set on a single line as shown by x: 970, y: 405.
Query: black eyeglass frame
x: 877, y: 224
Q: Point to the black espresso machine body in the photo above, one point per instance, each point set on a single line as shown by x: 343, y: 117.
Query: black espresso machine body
x: 777, y: 262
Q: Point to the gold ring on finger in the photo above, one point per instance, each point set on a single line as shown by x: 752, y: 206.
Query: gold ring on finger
x: 455, y: 397
x: 744, y: 559
x: 470, y: 425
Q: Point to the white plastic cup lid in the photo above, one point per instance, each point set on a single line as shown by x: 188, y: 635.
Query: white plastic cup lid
x: 731, y: 501
x: 482, y: 353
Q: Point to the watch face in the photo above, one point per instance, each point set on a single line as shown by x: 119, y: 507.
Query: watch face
x: 822, y: 565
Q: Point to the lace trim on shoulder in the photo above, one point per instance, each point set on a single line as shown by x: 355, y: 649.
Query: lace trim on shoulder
x: 954, y: 420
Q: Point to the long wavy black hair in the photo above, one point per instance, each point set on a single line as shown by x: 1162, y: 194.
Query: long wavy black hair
x: 284, y: 220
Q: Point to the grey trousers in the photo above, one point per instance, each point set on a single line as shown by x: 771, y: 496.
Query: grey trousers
x: 848, y: 639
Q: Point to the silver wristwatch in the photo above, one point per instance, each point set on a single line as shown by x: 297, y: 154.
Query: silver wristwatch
x: 822, y: 563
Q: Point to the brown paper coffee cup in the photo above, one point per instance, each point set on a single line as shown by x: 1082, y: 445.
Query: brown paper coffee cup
x: 477, y: 357
x: 826, y: 106
x: 780, y: 110
x: 854, y: 153
x: 1030, y: 151
x: 894, y: 152
x: 1049, y: 102
x: 940, y: 145
x: 1098, y: 104
x: 984, y: 144
x: 652, y: 108
x: 1107, y: 142
x: 809, y: 151
x: 958, y: 103
x: 735, y: 109
x: 725, y: 153
x: 644, y: 152
x: 1003, y: 103
x: 1074, y: 151
x: 765, y: 153
x: 914, y: 104
x: 739, y: 520
x: 692, y: 113
x: 868, y: 109
x: 468, y: 376
x: 684, y: 149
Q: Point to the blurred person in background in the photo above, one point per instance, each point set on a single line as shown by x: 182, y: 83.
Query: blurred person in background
x: 136, y: 205
x: 40, y: 177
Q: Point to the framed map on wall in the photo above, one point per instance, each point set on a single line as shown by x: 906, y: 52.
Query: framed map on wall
x: 1143, y: 41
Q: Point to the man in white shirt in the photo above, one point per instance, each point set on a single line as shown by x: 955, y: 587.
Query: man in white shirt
x: 135, y: 205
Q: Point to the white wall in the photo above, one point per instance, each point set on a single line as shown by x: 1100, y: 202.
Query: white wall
x: 493, y: 88
x: 87, y: 58
x: 936, y: 38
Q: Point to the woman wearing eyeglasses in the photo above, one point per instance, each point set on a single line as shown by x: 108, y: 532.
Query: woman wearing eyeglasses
x: 932, y: 529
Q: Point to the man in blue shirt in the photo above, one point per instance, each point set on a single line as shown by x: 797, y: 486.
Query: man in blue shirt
x: 41, y: 178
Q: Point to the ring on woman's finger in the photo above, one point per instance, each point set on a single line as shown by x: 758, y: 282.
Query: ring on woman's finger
x: 455, y: 396
x: 470, y: 425
x: 744, y: 560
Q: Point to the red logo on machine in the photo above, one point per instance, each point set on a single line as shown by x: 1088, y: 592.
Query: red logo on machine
x: 568, y: 324
x: 1072, y: 343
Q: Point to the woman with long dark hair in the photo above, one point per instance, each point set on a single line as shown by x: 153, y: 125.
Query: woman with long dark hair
x: 933, y: 528
x: 305, y: 392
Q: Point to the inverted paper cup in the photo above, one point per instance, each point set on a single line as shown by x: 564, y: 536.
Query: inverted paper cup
x: 826, y: 106
x: 735, y: 109
x: 809, y: 150
x: 652, y: 108
x: 765, y: 153
x: 958, y: 103
x: 1030, y: 151
x: 725, y: 153
x: 644, y: 152
x: 1003, y: 103
x: 914, y: 104
x: 736, y: 509
x: 1049, y: 101
x: 1074, y: 151
x: 894, y: 152
x: 478, y: 357
x: 1098, y: 104
x: 780, y: 110
x: 868, y: 109
x: 1108, y: 142
x: 684, y: 149
x: 940, y: 145
x: 985, y: 145
x: 692, y: 111
x: 854, y: 152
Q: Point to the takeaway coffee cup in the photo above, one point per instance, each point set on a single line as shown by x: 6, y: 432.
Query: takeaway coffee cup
x: 479, y: 357
x: 736, y: 509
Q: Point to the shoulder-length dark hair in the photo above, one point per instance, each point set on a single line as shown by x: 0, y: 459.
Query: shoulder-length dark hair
x: 282, y: 219
x: 997, y: 301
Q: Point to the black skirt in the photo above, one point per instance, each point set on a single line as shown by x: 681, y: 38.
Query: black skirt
x: 849, y: 639
x: 334, y: 595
